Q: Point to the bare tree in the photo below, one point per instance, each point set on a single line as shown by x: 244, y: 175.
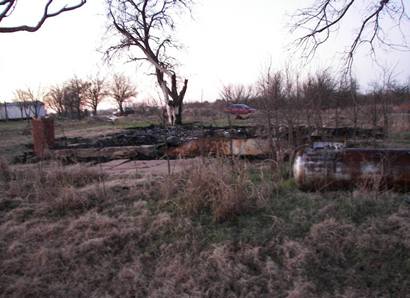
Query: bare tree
x: 147, y: 25
x: 55, y: 100
x: 317, y: 92
x: 291, y: 100
x: 95, y: 93
x: 347, y: 94
x: 74, y: 97
x: 29, y: 102
x: 270, y: 91
x: 382, y: 99
x: 7, y: 8
x: 236, y: 93
x: 20, y: 101
x: 122, y: 90
x: 324, y: 18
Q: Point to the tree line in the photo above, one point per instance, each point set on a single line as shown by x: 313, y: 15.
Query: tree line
x: 320, y: 99
x: 76, y: 96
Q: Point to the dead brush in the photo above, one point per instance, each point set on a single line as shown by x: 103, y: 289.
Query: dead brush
x: 223, y: 189
x: 372, y: 184
x: 55, y: 188
x: 68, y: 199
x: 47, y: 181
x: 5, y: 172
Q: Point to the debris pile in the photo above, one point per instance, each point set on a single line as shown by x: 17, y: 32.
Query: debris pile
x: 156, y: 142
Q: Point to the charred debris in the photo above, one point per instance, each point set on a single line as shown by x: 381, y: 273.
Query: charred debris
x: 156, y: 142
x: 333, y: 158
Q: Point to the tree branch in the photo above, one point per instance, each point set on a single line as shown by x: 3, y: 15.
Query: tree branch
x: 46, y: 15
x: 323, y: 19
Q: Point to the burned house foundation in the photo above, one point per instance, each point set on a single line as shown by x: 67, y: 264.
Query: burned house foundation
x: 325, y: 164
x: 187, y: 141
x: 160, y: 143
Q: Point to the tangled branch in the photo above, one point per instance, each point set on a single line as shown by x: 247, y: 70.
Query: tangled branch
x: 7, y: 8
x: 325, y: 17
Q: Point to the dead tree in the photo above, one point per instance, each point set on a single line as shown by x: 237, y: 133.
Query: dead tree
x: 147, y: 25
x: 318, y: 23
x: 20, y: 101
x: 382, y: 100
x: 270, y: 92
x: 347, y: 93
x: 317, y: 91
x: 8, y: 7
x: 122, y: 90
x: 74, y: 97
x: 55, y: 100
x: 236, y: 93
x: 97, y: 90
x: 291, y: 104
x: 29, y: 102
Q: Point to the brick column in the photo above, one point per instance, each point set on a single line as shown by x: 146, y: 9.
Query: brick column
x: 43, y: 135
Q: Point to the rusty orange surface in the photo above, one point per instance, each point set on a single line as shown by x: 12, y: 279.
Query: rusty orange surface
x: 346, y: 168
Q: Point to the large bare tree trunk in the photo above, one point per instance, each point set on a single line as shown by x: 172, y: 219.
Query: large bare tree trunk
x: 173, y: 99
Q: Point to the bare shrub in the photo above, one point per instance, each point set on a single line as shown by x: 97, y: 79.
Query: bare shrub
x: 69, y: 199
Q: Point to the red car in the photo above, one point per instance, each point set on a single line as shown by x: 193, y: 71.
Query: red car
x: 240, y: 110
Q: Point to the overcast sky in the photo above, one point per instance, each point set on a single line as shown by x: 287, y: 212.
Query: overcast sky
x: 226, y: 41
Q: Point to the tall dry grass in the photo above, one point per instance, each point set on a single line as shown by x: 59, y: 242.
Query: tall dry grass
x: 150, y: 240
x: 223, y: 188
x: 56, y: 189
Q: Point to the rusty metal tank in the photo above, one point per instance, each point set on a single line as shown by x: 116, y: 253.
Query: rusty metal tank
x: 344, y: 168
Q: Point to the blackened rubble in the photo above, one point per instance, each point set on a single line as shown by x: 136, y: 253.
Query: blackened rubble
x: 156, y: 142
x: 175, y: 136
x: 155, y: 135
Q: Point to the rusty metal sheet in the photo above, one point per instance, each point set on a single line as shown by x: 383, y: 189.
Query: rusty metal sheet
x: 251, y: 147
x: 352, y: 167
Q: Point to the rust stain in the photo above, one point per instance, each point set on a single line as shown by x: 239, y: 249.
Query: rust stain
x: 221, y: 147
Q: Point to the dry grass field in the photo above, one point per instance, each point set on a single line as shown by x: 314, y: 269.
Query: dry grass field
x: 214, y: 228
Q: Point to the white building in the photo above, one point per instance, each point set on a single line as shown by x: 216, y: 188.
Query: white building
x: 22, y: 110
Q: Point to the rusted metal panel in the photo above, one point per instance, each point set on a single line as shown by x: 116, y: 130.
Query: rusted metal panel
x: 352, y: 167
x: 251, y: 147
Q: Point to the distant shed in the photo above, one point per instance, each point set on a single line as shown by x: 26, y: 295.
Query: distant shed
x: 22, y: 110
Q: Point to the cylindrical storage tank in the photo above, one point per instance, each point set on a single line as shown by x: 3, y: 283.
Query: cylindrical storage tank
x: 352, y: 167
